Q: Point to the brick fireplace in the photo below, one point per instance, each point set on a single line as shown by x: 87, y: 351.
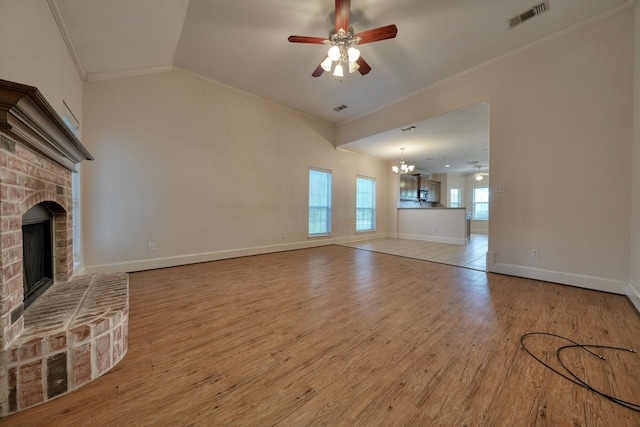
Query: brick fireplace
x: 77, y: 330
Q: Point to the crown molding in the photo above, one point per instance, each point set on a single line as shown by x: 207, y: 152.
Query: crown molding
x: 253, y: 95
x: 627, y: 5
x: 66, y: 36
x: 109, y: 75
x: 91, y: 77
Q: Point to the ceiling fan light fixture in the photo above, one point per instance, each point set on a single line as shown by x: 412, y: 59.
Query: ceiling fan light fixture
x: 353, y: 67
x: 479, y: 177
x: 343, y: 39
x: 334, y: 53
x: 338, y: 72
x: 353, y: 54
x: 326, y: 64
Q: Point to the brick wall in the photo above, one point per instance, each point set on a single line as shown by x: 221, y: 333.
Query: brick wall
x: 26, y: 179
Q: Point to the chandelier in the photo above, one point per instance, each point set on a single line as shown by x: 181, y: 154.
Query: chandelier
x: 341, y: 50
x: 402, y: 167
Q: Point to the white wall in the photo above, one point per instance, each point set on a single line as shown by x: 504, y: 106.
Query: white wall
x: 456, y: 180
x: 634, y: 274
x: 205, y: 172
x: 477, y: 226
x: 558, y: 110
x: 442, y: 178
x: 33, y: 52
x: 433, y: 225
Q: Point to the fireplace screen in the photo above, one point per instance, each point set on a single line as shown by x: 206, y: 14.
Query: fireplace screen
x: 37, y: 253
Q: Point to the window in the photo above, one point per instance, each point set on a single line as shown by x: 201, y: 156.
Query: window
x: 365, y: 204
x: 455, y: 197
x: 481, y: 203
x: 319, y: 202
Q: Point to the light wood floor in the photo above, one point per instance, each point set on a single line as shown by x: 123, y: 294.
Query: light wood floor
x: 340, y: 336
x: 472, y: 255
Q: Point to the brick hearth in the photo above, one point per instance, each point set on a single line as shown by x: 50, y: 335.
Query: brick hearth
x: 74, y: 333
x: 77, y: 330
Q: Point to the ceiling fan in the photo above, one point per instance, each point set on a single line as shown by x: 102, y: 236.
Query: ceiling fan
x: 343, y: 41
x: 478, y: 176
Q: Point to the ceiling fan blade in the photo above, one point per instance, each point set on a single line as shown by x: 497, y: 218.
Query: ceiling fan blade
x: 381, y: 33
x: 364, y: 67
x: 306, y: 39
x: 318, y: 71
x: 342, y: 14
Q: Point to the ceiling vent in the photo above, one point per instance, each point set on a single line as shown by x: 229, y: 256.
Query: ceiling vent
x: 528, y: 14
x: 340, y: 108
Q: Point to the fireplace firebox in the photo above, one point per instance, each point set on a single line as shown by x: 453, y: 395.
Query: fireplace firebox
x: 37, y: 250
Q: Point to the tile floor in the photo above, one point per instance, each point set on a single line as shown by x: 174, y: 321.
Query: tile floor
x: 472, y: 255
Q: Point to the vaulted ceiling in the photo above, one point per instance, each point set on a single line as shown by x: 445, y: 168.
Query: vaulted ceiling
x: 243, y: 43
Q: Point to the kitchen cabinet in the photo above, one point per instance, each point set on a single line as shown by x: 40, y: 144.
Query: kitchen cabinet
x: 409, y: 187
x: 432, y: 188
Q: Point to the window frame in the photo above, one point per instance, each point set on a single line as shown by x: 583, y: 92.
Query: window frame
x: 372, y: 209
x: 327, y: 207
x: 474, y: 211
x: 459, y: 198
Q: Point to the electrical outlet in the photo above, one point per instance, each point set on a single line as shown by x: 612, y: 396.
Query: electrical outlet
x: 535, y: 253
x: 152, y: 247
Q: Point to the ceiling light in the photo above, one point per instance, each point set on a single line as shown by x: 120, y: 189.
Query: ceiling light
x: 402, y: 167
x: 334, y: 53
x: 447, y: 166
x: 342, y: 50
x: 479, y: 177
x: 353, y: 54
x: 326, y: 64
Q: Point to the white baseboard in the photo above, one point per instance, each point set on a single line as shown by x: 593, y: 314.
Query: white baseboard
x: 172, y: 261
x: 428, y: 238
x: 581, y: 281
x: 633, y: 293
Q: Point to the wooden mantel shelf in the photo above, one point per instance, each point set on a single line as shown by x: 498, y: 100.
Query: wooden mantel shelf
x: 26, y: 116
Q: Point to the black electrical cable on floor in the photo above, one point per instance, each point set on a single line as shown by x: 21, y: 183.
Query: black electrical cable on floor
x: 576, y: 380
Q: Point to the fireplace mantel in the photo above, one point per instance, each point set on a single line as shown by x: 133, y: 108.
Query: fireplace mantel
x: 25, y: 115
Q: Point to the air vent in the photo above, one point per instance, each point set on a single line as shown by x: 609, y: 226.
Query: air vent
x: 340, y: 108
x: 528, y: 14
x: 408, y: 128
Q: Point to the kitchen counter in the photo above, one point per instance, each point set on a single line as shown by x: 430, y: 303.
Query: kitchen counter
x: 437, y: 207
x: 439, y: 224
